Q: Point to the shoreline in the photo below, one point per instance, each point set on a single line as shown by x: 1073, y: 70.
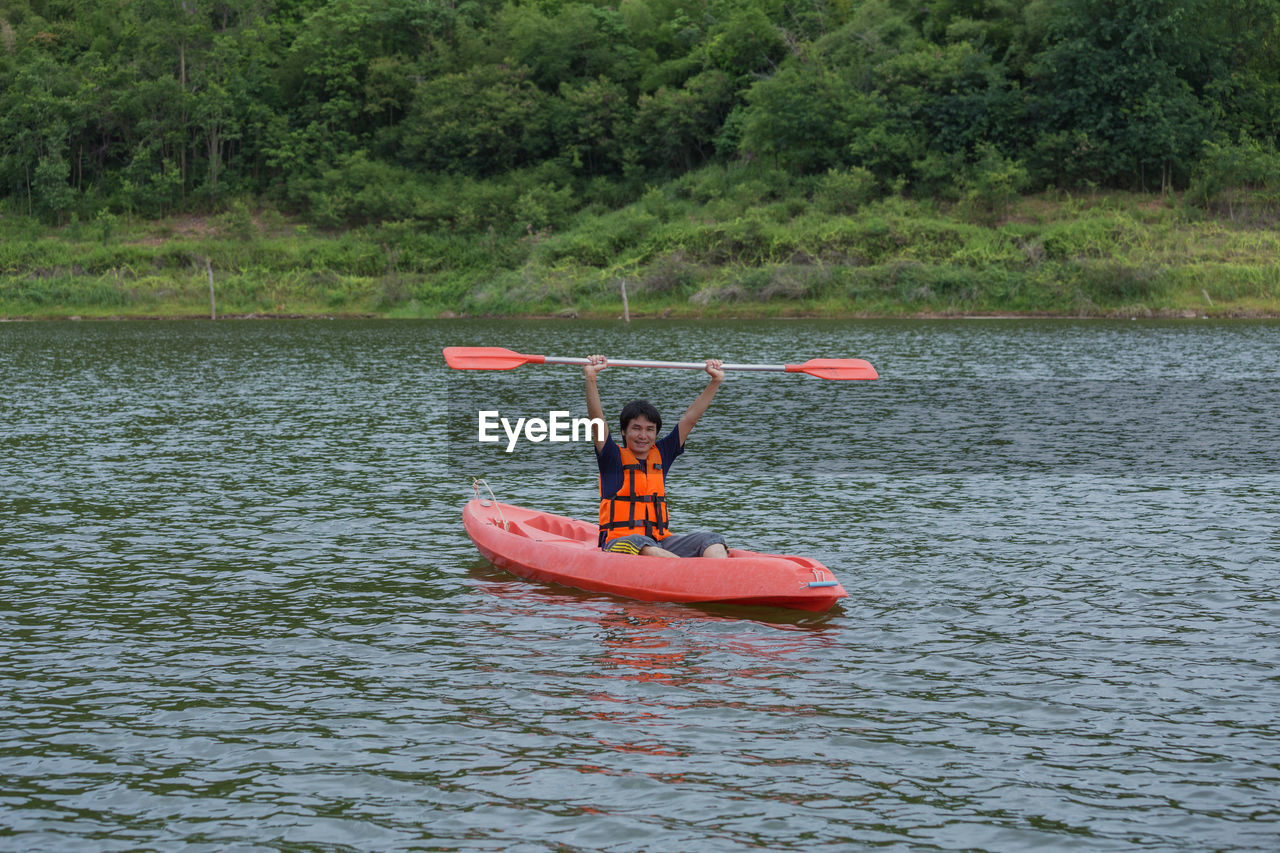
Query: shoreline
x: 1050, y: 256
x: 604, y: 316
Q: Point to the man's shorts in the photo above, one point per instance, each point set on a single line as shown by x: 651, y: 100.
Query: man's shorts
x: 680, y: 544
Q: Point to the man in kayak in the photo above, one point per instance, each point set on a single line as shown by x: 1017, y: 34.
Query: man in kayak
x: 633, y: 507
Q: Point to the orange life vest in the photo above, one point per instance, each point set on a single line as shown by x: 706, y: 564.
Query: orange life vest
x: 640, y: 506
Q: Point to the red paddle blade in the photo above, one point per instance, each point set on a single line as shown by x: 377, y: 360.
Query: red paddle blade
x: 487, y: 358
x: 836, y: 368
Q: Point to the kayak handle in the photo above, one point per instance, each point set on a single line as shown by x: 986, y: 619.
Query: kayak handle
x: 813, y: 584
x: 476, y: 483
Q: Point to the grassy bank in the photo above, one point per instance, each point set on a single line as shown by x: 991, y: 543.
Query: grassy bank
x: 716, y: 243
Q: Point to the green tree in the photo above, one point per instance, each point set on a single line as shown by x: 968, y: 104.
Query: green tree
x: 484, y: 121
x: 1112, y: 94
x: 1243, y: 94
x: 953, y: 98
x: 801, y: 117
x: 746, y: 43
x: 1241, y: 176
x: 591, y: 126
x: 994, y: 27
x: 37, y: 114
x: 677, y: 128
x: 577, y: 42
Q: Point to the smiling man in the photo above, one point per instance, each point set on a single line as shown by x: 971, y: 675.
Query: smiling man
x: 633, y: 507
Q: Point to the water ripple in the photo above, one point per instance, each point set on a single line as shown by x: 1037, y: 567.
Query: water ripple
x: 239, y: 611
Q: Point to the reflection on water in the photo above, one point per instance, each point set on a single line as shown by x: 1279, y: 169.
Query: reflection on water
x: 240, y: 612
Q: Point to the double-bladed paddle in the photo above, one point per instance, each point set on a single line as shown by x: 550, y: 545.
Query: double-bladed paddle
x: 497, y: 358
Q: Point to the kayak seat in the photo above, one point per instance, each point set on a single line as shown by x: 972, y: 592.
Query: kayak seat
x: 558, y: 529
x: 538, y: 533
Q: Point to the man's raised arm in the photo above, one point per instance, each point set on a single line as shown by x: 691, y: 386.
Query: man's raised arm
x: 596, y: 364
x: 695, y: 410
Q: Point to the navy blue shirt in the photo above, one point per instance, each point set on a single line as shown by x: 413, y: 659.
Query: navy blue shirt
x: 609, y: 460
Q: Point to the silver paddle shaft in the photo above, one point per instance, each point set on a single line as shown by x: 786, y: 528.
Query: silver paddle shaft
x: 679, y: 365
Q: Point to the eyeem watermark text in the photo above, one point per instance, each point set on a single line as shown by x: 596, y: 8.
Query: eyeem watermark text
x: 558, y: 427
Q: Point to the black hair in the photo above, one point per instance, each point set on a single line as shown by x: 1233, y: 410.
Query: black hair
x: 637, y: 408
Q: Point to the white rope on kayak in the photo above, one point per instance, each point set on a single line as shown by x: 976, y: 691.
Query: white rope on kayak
x: 476, y: 483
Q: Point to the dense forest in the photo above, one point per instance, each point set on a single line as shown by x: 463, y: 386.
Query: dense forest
x: 479, y: 114
x: 431, y: 158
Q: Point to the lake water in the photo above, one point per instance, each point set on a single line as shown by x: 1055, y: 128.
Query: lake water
x: 239, y: 610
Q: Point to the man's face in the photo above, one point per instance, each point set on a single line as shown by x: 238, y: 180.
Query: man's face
x: 640, y: 435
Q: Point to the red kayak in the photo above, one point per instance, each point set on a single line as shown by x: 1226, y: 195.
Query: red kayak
x: 546, y: 547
